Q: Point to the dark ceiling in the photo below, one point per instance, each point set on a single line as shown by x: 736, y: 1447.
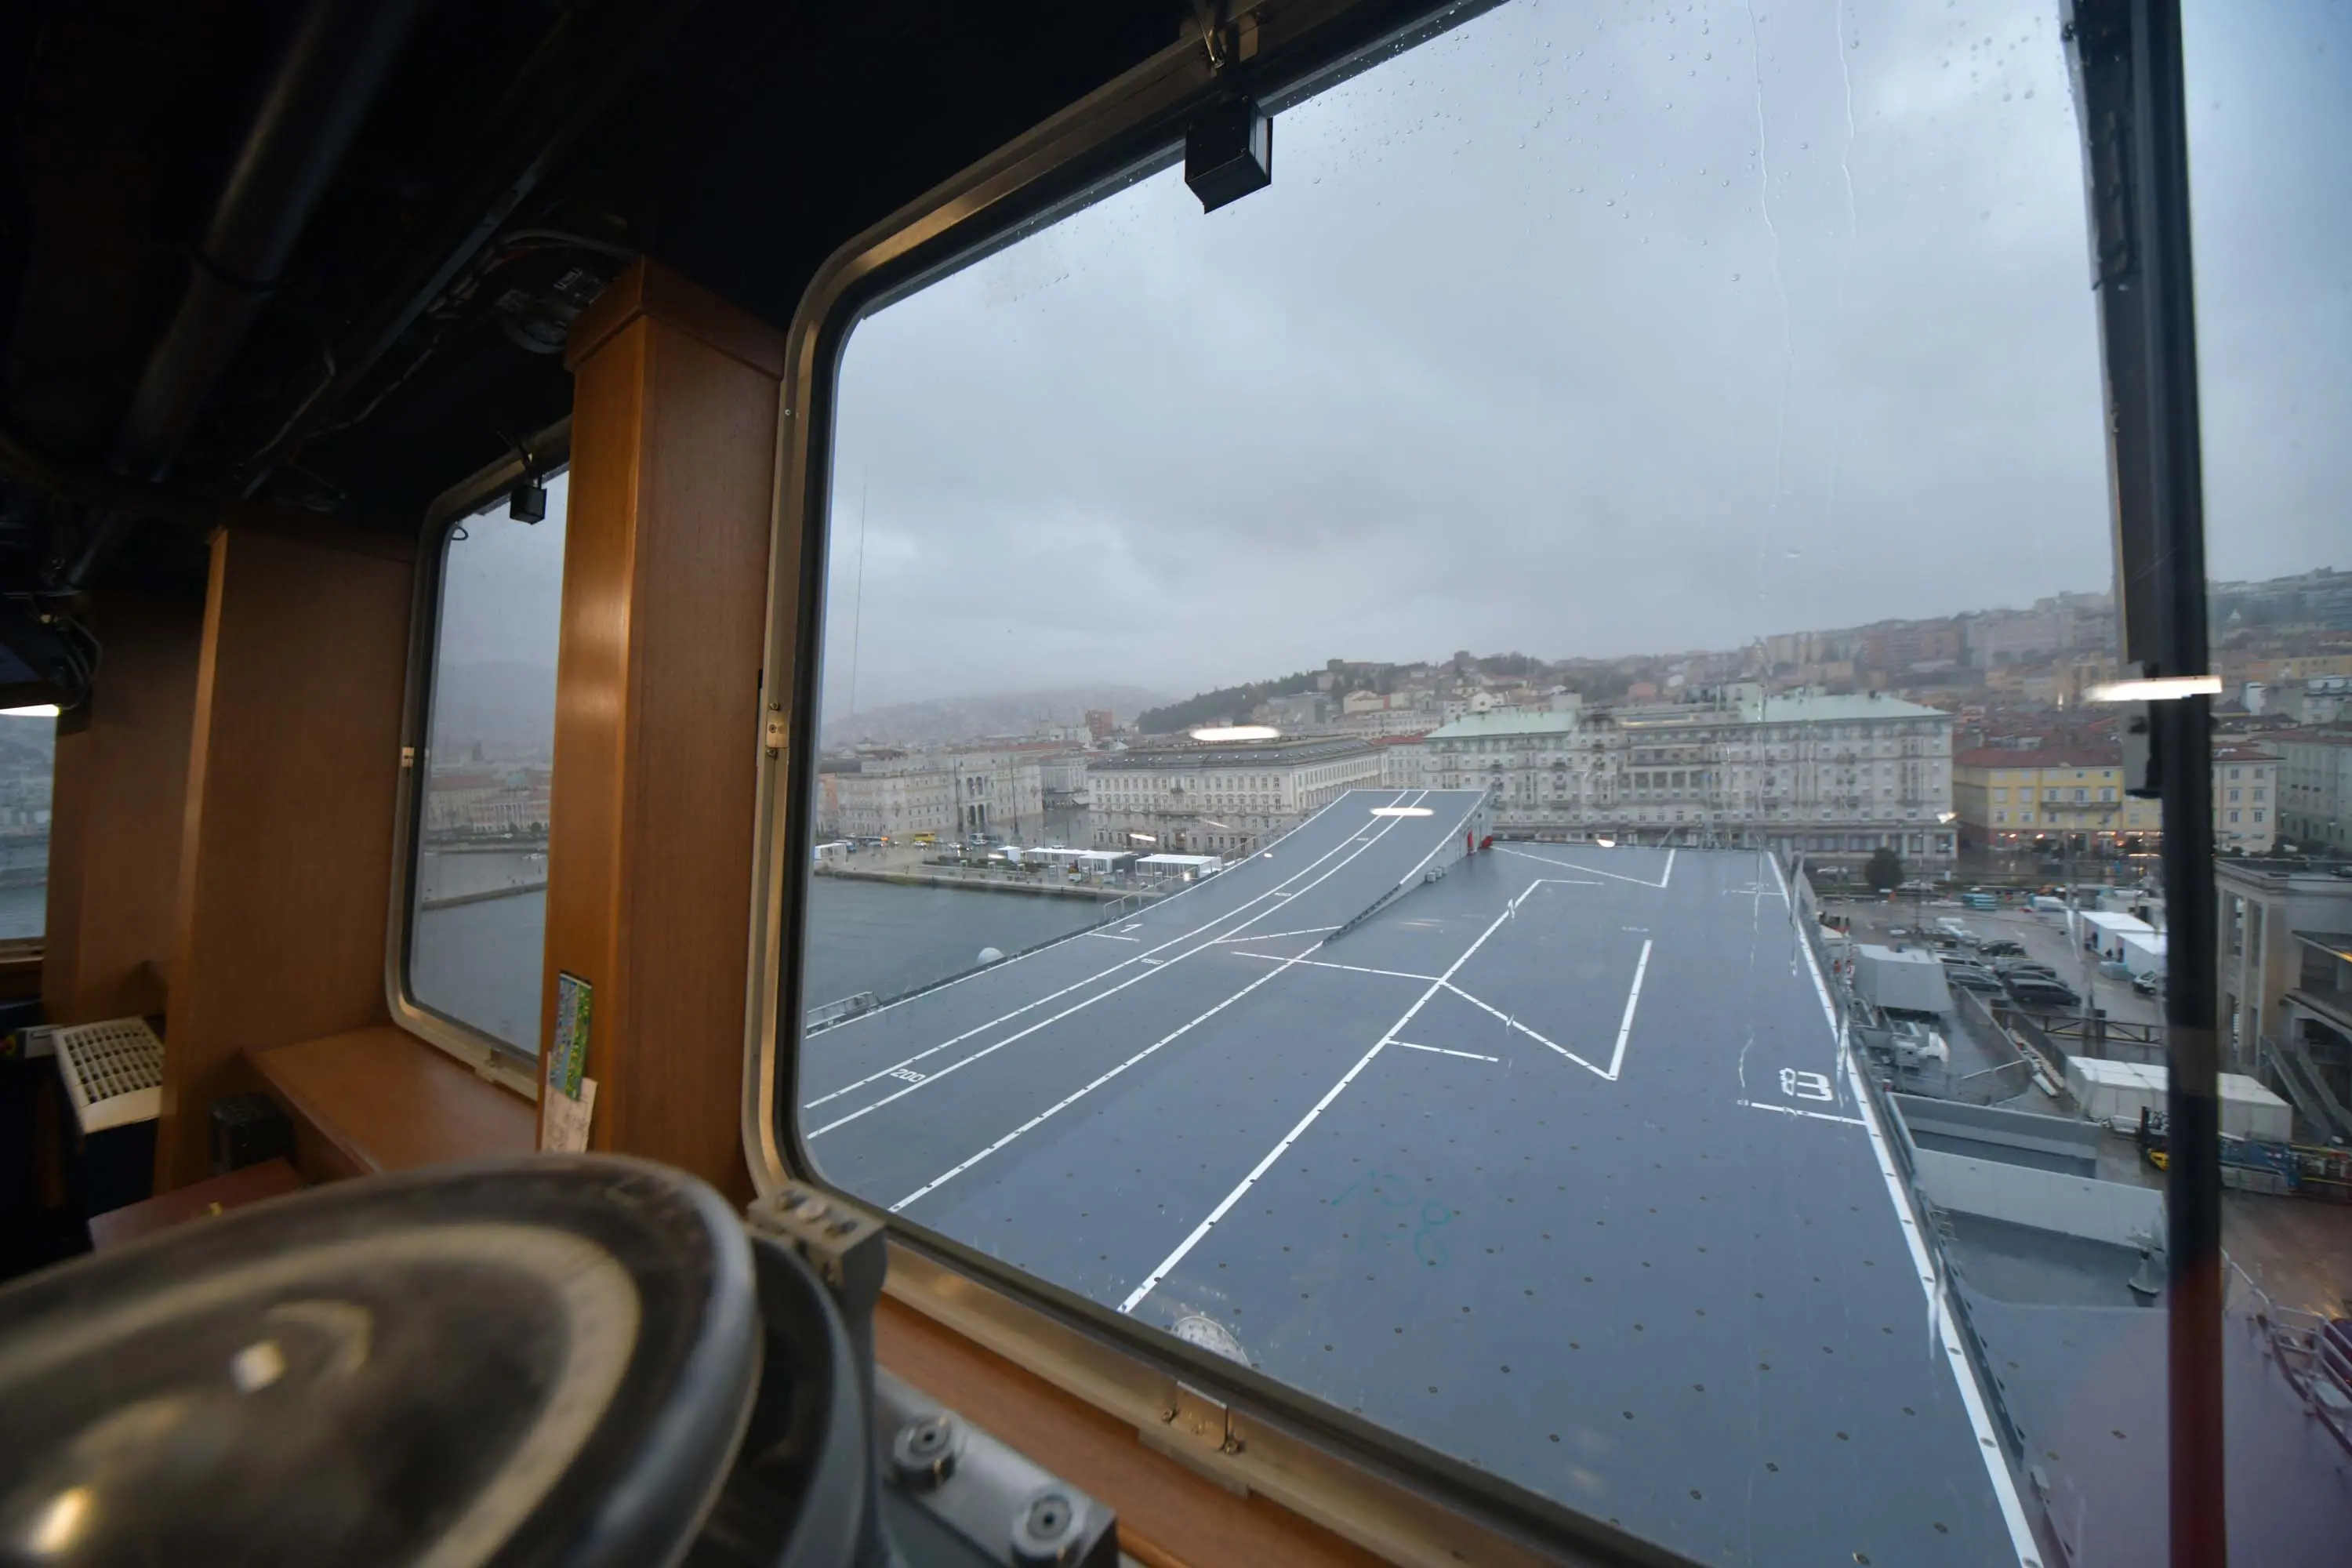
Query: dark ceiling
x: 512, y: 156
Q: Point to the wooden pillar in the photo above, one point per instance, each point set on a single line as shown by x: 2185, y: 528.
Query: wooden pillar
x: 285, y: 856
x: 657, y: 711
x: 116, y: 810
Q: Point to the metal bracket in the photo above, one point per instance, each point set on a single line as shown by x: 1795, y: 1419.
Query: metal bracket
x: 774, y: 733
x: 997, y: 1507
x: 407, y: 758
x: 1225, y: 38
x: 1197, y: 1430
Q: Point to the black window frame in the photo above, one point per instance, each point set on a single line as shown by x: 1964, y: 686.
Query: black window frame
x: 499, y: 1060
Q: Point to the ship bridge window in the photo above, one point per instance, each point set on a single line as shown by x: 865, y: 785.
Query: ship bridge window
x: 1660, y: 343
x: 483, y: 727
x: 28, y: 764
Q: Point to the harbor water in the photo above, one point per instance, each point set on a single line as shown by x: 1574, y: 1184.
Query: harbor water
x: 481, y: 960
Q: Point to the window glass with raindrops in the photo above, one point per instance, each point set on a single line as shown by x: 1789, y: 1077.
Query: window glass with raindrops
x: 1478, y: 780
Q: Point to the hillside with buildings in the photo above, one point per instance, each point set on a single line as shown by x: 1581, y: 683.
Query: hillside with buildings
x: 1968, y: 738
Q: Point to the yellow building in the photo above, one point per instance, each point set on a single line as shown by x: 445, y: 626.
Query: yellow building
x: 2006, y: 798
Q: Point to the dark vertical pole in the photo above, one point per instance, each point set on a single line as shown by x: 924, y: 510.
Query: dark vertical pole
x: 2130, y: 88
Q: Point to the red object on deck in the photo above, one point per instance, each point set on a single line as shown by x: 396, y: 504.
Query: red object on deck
x: 1487, y: 842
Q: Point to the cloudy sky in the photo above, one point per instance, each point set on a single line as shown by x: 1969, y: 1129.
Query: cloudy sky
x: 1585, y: 329
x: 502, y: 584
x: 1589, y: 329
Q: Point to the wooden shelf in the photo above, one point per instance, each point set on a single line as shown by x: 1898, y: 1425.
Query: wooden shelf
x: 381, y: 1099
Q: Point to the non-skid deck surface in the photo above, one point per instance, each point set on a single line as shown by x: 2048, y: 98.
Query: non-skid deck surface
x: 1552, y: 1164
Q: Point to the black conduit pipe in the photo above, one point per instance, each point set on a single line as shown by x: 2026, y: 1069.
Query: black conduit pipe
x: 334, y: 66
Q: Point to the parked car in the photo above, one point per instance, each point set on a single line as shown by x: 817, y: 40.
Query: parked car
x: 1972, y: 980
x: 2148, y: 983
x: 2001, y: 947
x: 2048, y: 994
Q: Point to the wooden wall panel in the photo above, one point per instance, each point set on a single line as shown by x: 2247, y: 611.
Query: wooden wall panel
x: 285, y: 849
x: 657, y: 715
x: 119, y: 805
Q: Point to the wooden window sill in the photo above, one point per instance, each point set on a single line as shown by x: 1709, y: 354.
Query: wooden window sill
x: 381, y: 1099
x: 1168, y: 1516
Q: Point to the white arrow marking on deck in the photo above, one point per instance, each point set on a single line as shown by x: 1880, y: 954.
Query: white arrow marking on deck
x: 1168, y: 1263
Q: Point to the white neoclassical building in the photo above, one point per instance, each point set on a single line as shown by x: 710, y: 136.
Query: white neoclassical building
x: 1822, y: 776
x: 1220, y: 797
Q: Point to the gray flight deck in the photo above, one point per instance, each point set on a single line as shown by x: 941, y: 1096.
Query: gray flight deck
x: 1551, y: 1164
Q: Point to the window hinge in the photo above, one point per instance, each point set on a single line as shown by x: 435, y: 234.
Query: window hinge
x: 407, y: 758
x: 774, y: 736
x: 1197, y: 1429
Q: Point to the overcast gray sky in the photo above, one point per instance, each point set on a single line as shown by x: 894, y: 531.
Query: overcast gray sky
x: 502, y: 585
x: 1510, y: 356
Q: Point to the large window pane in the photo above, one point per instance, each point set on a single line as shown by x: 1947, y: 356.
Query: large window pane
x: 29, y: 760
x: 1665, y: 444
x: 478, y: 932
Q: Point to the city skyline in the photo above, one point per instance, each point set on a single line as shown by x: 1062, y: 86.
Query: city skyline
x: 1492, y: 354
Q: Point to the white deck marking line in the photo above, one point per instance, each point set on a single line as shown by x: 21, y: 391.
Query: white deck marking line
x: 1080, y: 984
x: 1132, y: 925
x: 1168, y: 1264
x: 1632, y: 1000
x: 1510, y: 1022
x: 1110, y: 936
x: 936, y: 1182
x: 1898, y: 1193
x: 1158, y: 966
x: 1327, y: 963
x: 1809, y: 1115
x: 1609, y: 1073
x: 1442, y: 1051
x: 1275, y: 936
x: 1590, y: 870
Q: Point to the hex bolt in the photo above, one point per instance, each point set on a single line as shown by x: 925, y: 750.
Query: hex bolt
x: 1047, y: 1531
x: 923, y: 1453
